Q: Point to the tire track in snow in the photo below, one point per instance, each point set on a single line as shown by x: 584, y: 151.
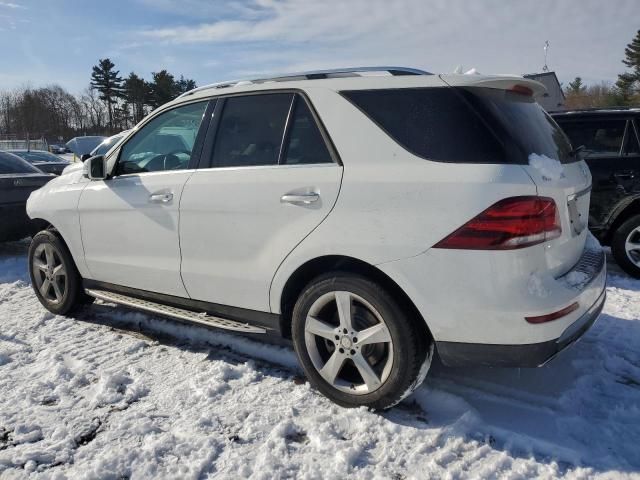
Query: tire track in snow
x: 184, y: 401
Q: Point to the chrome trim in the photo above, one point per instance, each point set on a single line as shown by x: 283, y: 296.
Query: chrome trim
x: 306, y: 198
x: 264, y: 167
x: 310, y: 75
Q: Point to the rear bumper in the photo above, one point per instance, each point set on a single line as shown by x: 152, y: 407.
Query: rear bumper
x: 456, y: 354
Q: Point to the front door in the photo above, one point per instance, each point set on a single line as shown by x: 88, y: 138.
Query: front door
x: 130, y: 221
x: 271, y: 179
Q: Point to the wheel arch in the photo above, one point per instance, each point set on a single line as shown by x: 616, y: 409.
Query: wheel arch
x: 309, y: 270
x: 44, y: 224
x: 620, y: 215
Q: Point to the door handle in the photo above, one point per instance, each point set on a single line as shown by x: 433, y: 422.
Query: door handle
x: 161, y: 197
x: 624, y: 174
x: 305, y: 198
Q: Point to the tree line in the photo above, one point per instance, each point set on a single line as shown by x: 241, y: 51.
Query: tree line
x: 624, y: 93
x: 108, y: 105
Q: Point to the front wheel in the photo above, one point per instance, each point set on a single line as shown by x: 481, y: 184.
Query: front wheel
x: 356, y: 345
x: 625, y: 246
x: 54, y: 277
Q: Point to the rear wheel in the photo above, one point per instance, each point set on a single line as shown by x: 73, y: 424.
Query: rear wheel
x: 356, y: 345
x: 54, y: 277
x: 625, y: 246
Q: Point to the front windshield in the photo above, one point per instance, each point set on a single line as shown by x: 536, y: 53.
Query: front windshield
x: 105, y: 146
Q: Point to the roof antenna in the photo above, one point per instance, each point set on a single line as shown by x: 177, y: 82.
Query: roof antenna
x: 546, y: 49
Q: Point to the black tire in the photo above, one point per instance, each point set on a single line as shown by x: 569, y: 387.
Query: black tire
x: 618, y: 242
x: 412, y: 349
x: 73, y: 296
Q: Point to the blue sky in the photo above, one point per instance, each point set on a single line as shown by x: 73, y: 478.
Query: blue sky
x: 57, y: 41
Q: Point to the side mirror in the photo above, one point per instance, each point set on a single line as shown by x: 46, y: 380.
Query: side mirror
x: 95, y: 168
x: 85, y: 156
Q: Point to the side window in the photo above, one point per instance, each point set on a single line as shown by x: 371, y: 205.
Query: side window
x: 631, y: 143
x: 600, y: 138
x: 432, y: 123
x: 251, y: 130
x: 165, y: 143
x: 306, y: 145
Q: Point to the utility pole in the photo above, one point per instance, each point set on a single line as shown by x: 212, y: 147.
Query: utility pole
x: 546, y: 49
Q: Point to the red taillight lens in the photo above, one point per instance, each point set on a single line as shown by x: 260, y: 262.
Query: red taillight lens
x: 514, y: 222
x: 522, y: 90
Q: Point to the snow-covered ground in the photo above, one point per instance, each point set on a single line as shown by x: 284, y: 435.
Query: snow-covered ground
x: 118, y: 394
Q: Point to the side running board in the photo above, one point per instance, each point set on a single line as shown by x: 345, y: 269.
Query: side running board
x: 174, y: 312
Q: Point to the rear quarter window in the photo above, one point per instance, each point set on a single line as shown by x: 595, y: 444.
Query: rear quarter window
x: 432, y: 123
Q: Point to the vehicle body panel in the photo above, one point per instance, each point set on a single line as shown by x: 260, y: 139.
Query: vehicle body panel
x: 128, y: 239
x: 616, y: 178
x: 238, y: 245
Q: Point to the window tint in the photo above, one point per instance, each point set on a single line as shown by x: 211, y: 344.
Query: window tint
x: 600, y: 138
x: 251, y: 130
x: 165, y: 143
x: 433, y: 123
x: 10, y: 163
x: 306, y: 145
x: 521, y: 122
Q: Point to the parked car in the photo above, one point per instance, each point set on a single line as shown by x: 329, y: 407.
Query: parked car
x: 106, y: 145
x: 45, y: 161
x: 57, y: 148
x: 610, y: 144
x: 80, y: 146
x: 18, y: 179
x: 372, y: 219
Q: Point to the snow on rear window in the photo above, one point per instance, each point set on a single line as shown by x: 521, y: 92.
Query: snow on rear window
x: 549, y: 168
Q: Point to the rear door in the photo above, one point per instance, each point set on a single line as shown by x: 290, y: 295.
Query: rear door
x: 269, y: 178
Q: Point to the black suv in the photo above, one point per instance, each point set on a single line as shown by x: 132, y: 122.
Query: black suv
x: 611, y: 147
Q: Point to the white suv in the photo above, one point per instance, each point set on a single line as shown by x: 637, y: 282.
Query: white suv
x: 371, y: 215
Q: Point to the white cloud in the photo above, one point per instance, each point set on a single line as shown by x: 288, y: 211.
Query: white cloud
x: 587, y: 37
x: 11, y: 5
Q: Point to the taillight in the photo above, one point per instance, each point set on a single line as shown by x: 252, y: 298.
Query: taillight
x: 514, y: 222
x: 522, y: 90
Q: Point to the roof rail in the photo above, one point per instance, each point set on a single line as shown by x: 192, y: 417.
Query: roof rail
x: 312, y: 75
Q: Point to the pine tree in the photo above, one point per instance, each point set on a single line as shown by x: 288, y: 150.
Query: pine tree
x: 163, y: 88
x: 576, y: 87
x: 628, y: 83
x: 632, y: 54
x: 106, y: 81
x: 136, y: 95
x: 185, y: 84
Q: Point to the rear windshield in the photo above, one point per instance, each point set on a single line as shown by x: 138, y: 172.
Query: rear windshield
x: 475, y: 125
x: 519, y: 118
x: 38, y: 156
x: 10, y: 163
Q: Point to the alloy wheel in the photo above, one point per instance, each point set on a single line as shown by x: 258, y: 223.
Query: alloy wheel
x: 49, y: 273
x: 632, y: 246
x: 348, y: 343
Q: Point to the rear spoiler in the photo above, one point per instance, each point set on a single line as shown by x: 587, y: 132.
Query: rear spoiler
x: 501, y: 82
